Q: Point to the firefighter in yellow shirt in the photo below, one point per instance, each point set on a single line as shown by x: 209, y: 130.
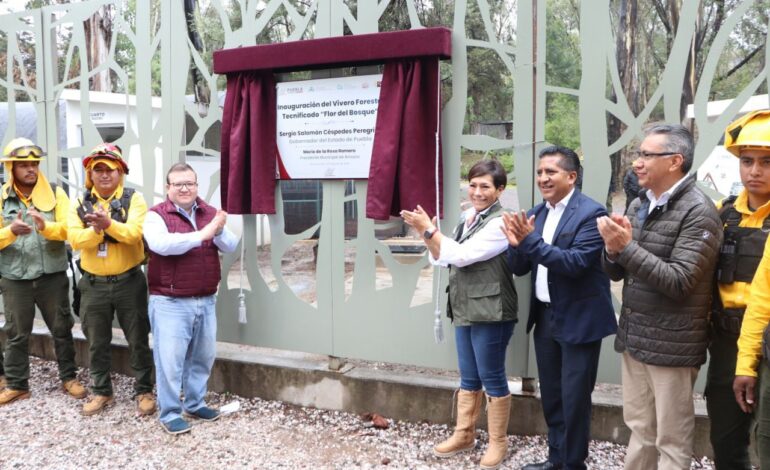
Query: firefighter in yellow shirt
x: 33, y: 266
x: 749, y: 139
x: 106, y: 226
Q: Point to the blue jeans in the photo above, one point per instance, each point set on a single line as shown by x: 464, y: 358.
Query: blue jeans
x: 184, y: 333
x: 481, y: 356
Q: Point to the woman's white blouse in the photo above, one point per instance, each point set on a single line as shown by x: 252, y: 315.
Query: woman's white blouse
x: 487, y: 243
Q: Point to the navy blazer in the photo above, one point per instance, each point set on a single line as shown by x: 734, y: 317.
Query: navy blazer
x: 580, y: 289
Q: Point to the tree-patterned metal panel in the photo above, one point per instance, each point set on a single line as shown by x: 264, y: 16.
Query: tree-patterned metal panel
x: 318, y: 276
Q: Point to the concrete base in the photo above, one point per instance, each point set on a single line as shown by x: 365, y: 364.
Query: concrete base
x: 307, y: 380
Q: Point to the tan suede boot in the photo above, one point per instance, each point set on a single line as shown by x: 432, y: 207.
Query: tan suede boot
x: 96, y: 404
x: 145, y: 404
x: 498, y: 412
x: 10, y: 395
x: 464, y: 436
x: 74, y: 389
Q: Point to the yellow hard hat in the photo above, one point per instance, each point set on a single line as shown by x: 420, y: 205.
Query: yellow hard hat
x: 749, y: 131
x: 22, y: 150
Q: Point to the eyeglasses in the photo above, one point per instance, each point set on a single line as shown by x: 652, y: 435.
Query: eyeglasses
x: 27, y: 151
x: 647, y: 156
x: 187, y: 184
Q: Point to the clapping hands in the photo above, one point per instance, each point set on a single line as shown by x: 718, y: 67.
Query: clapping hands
x: 418, y: 219
x: 616, y: 231
x: 19, y: 227
x: 99, y: 219
x: 215, y: 227
x: 516, y: 226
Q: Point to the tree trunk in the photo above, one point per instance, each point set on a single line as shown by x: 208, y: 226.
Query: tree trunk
x: 625, y: 54
x: 98, y: 31
x: 200, y: 88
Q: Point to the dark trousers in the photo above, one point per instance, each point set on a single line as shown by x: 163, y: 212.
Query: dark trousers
x: 50, y: 294
x: 730, y: 427
x: 762, y: 415
x: 125, y: 298
x: 567, y: 378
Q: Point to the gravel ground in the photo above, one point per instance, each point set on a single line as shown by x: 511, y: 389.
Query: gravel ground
x: 47, y: 431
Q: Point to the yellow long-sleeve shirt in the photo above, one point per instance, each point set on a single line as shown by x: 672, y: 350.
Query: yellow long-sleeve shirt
x: 755, y: 297
x: 121, y: 256
x: 755, y: 319
x: 54, y: 230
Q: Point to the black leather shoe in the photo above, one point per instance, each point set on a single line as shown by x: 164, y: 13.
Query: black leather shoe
x: 542, y: 466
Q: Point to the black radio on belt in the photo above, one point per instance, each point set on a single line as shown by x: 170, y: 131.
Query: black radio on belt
x: 84, y: 208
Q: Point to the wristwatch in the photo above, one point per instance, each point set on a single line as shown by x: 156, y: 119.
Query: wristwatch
x: 428, y: 234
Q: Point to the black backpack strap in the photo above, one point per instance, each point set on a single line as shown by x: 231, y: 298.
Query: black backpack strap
x: 125, y: 199
x: 125, y: 204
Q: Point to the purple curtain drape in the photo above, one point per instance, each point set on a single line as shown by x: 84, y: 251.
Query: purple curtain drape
x: 402, y: 171
x: 249, y: 148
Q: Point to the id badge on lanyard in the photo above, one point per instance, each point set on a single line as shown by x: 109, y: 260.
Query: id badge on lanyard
x: 101, y: 250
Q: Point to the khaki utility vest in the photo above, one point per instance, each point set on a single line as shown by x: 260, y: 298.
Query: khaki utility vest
x: 482, y: 292
x: 29, y: 256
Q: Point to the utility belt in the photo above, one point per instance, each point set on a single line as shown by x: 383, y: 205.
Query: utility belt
x: 92, y: 278
x: 728, y: 320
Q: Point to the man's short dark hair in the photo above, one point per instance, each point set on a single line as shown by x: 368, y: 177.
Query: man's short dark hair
x: 489, y: 167
x: 569, y: 160
x: 678, y: 140
x: 179, y: 167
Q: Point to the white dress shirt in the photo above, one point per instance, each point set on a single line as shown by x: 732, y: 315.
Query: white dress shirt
x: 549, y: 229
x: 485, y: 244
x: 160, y: 241
x: 655, y: 202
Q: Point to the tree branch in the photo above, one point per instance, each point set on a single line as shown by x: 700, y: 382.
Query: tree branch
x: 742, y: 63
x: 661, y: 11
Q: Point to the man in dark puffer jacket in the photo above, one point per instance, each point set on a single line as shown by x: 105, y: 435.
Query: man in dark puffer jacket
x: 665, y: 250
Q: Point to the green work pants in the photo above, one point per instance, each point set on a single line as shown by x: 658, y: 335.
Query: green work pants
x: 125, y: 297
x: 763, y: 415
x: 50, y: 294
x: 730, y: 426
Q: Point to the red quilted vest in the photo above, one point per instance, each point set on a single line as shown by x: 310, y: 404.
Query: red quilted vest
x: 192, y: 274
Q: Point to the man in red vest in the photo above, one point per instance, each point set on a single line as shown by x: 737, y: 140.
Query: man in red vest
x: 184, y: 235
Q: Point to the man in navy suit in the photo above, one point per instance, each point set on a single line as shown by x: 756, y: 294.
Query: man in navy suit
x: 571, y: 308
